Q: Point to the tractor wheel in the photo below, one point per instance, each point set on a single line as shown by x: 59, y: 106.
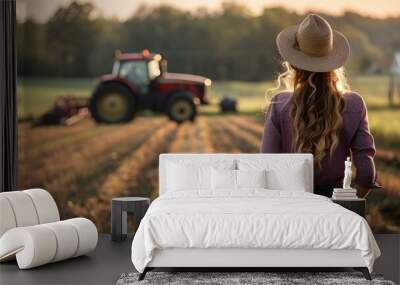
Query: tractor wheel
x: 181, y: 108
x: 112, y: 103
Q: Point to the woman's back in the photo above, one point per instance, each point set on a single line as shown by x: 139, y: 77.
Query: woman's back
x: 319, y: 115
x: 354, y: 137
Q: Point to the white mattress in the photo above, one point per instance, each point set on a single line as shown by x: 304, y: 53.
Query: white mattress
x: 257, y: 219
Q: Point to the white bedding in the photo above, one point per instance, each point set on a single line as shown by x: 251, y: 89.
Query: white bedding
x: 253, y: 218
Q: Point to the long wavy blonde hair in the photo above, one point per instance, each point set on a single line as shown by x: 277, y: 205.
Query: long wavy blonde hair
x: 317, y: 108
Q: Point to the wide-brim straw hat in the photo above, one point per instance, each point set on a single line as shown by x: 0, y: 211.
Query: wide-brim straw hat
x: 313, y: 45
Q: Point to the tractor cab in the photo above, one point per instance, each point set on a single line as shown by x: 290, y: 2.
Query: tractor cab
x: 139, y: 69
x: 139, y: 81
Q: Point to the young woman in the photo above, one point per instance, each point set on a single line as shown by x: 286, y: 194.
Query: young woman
x: 318, y: 114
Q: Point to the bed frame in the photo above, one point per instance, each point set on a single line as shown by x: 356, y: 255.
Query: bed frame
x: 246, y: 258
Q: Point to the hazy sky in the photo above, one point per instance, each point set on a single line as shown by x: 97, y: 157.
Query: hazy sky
x: 42, y: 9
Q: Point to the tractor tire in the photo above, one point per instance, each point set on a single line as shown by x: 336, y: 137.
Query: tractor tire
x: 181, y: 108
x: 112, y: 103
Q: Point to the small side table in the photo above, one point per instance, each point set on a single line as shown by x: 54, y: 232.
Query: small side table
x: 119, y: 209
x: 358, y: 205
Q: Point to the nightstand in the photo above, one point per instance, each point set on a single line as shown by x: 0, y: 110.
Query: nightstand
x: 356, y: 205
x: 120, y: 207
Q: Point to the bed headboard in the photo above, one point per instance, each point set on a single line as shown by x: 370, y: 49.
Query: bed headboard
x: 297, y: 157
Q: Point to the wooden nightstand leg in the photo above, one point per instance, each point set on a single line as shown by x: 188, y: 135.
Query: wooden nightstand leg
x: 364, y: 271
x: 116, y: 221
x: 124, y: 225
x: 139, y: 212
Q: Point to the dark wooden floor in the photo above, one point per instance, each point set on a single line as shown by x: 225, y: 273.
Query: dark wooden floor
x: 103, y: 266
x: 110, y: 259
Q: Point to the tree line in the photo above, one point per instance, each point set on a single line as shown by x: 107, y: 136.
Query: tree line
x: 228, y: 44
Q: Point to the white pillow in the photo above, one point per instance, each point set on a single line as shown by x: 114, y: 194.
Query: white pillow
x: 186, y: 174
x: 281, y: 175
x: 251, y: 178
x: 228, y: 179
x: 293, y: 179
x: 223, y: 179
x: 188, y: 177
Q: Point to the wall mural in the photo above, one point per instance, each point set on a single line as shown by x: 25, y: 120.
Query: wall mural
x: 87, y: 142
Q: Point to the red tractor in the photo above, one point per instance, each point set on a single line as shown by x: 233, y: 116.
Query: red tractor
x: 139, y: 81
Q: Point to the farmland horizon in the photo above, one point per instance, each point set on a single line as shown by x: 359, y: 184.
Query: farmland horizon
x: 36, y: 95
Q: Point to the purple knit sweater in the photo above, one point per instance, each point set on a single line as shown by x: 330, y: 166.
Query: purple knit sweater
x: 355, y: 139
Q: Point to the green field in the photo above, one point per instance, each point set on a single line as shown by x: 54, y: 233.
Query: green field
x: 35, y: 96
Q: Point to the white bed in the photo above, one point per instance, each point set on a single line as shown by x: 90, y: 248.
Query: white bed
x: 252, y: 226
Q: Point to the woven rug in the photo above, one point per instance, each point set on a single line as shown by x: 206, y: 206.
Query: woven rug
x: 243, y: 278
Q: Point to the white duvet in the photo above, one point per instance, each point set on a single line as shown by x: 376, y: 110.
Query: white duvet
x: 256, y: 218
